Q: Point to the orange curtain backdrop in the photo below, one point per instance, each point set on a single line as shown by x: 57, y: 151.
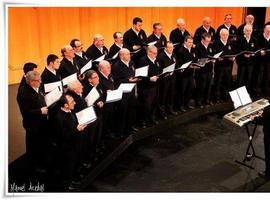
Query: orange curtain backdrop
x: 35, y: 32
x: 267, y: 16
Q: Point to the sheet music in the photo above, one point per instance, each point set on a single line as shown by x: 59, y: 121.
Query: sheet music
x: 235, y: 98
x: 114, y: 95
x: 240, y: 97
x: 169, y: 69
x: 53, y: 96
x: 115, y: 56
x: 244, y: 96
x: 100, y: 58
x: 86, y: 67
x: 92, y: 96
x: 69, y: 78
x: 201, y: 62
x: 51, y: 86
x: 217, y: 55
x: 126, y: 87
x: 185, y: 65
x: 152, y: 43
x: 86, y: 116
x: 142, y: 71
x: 136, y: 51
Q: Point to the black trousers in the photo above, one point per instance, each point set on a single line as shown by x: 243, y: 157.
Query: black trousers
x: 223, y: 81
x: 244, y: 76
x: 203, y: 86
x: 263, y: 79
x: 166, y: 93
x: 37, y: 148
x: 149, y: 102
x: 185, y: 87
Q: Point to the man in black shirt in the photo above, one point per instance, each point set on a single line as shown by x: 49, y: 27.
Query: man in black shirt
x: 34, y: 112
x: 263, y: 77
x: 27, y: 68
x: 158, y: 36
x: 123, y: 71
x: 96, y: 50
x: 148, y: 87
x: 50, y: 73
x: 135, y: 38
x: 68, y: 129
x: 246, y: 61
x: 228, y: 25
x: 117, y: 45
x: 80, y: 56
x: 223, y: 65
x: 249, y: 20
x: 68, y: 65
x: 178, y: 34
x: 264, y: 120
x: 204, y: 75
x: 206, y: 27
x: 185, y: 79
x: 167, y: 81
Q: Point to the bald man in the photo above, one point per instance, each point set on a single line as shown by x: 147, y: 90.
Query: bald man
x: 68, y: 65
x: 249, y: 19
x: 97, y: 49
x: 206, y: 27
x: 178, y: 34
x: 223, y: 66
x: 123, y: 71
x: 245, y: 61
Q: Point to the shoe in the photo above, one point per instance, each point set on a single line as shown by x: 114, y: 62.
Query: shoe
x: 264, y: 175
x: 182, y: 109
x: 73, y: 188
x: 200, y: 105
x: 171, y: 112
x: 86, y: 165
x: 134, y: 129
x: 190, y: 107
x: 153, y: 121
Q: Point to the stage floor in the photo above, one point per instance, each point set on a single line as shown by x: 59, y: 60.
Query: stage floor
x: 197, y: 156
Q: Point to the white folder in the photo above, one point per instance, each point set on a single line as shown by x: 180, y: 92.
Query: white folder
x: 114, y: 95
x: 86, y: 116
x: 51, y: 86
x: 126, y: 87
x: 100, y: 58
x: 86, y: 67
x: 185, y: 65
x: 69, y: 78
x: 142, y: 71
x: 53, y: 96
x: 169, y: 69
x: 92, y: 96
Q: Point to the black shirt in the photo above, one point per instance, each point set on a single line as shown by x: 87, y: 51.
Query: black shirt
x: 67, y: 68
x: 198, y: 33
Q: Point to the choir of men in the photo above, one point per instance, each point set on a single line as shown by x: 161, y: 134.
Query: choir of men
x: 157, y: 95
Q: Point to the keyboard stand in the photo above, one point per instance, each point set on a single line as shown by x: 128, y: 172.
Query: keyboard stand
x: 250, y: 146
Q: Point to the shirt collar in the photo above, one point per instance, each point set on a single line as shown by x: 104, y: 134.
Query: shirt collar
x: 126, y: 63
x: 224, y: 43
x: 189, y: 49
x: 157, y: 36
x: 51, y: 70
x: 153, y: 61
x: 169, y: 55
x: 207, y: 30
x: 137, y: 33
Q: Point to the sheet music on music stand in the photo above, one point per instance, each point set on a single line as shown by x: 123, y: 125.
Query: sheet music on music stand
x: 240, y: 97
